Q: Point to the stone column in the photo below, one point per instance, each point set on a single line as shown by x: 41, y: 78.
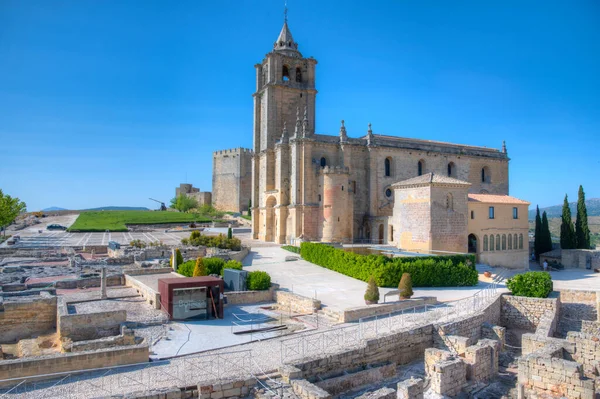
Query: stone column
x: 103, y: 283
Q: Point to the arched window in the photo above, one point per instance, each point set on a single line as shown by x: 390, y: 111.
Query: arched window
x: 491, y: 242
x: 509, y: 242
x: 485, y: 243
x: 515, y: 241
x: 420, y: 167
x: 497, y: 242
x: 449, y: 202
x: 451, y: 169
x: 323, y: 162
x: 388, y: 167
x: 504, y: 242
x: 520, y: 241
x: 298, y: 75
x: 486, y: 176
x: 285, y: 73
x: 391, y: 234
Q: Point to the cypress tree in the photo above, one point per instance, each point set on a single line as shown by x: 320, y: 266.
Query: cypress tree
x: 249, y: 207
x: 538, y: 234
x: 567, y: 234
x: 200, y: 268
x: 546, y: 244
x: 582, y: 230
x: 229, y: 233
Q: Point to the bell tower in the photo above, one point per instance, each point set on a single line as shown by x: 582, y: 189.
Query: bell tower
x: 285, y: 89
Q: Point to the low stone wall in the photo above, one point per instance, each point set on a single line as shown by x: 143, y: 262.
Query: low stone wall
x: 296, y: 303
x: 226, y: 389
x: 151, y: 296
x: 575, y: 296
x: 590, y: 328
x: 126, y: 338
x: 26, y: 316
x: 146, y: 271
x: 585, y: 349
x: 346, y: 382
x: 448, y: 377
x: 243, y: 297
x: 66, y: 362
x: 545, y: 372
x: 526, y: 313
x: 308, y: 390
x: 410, y: 389
x: 482, y: 360
x: 88, y: 326
x: 111, y: 281
x: 382, y: 393
x: 578, y: 258
x: 354, y: 314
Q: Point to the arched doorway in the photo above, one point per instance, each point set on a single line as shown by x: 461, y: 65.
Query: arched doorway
x: 270, y: 219
x: 472, y: 244
x: 381, y: 237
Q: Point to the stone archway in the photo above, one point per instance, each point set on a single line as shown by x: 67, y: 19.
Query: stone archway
x: 270, y: 219
x: 472, y: 239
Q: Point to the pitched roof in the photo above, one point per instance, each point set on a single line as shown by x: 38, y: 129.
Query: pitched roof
x: 496, y: 199
x: 428, y: 178
x: 285, y: 41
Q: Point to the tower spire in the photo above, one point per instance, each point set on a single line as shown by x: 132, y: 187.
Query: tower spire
x: 285, y: 42
x: 285, y: 13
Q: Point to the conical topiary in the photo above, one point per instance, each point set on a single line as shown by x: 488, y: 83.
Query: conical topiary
x: 229, y: 233
x: 405, y: 286
x: 372, y: 293
x: 200, y: 269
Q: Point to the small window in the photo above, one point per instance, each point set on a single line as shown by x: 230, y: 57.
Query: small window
x: 497, y: 242
x: 342, y: 188
x: 451, y: 169
x: 515, y: 213
x: 388, y: 193
x: 491, y: 216
x: 388, y: 167
x: 472, y: 214
x: 485, y: 243
x: 491, y: 242
x: 319, y: 196
x: 520, y: 241
x: 509, y: 242
x: 486, y: 176
x: 323, y: 162
x: 504, y: 242
x: 515, y: 241
x: 420, y: 168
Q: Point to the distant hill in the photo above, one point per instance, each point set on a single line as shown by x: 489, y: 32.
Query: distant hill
x: 53, y: 208
x: 592, y: 204
x: 118, y: 208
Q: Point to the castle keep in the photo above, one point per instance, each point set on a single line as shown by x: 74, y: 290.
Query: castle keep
x: 414, y: 194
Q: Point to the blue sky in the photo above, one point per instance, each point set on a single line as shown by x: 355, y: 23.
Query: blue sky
x: 112, y: 102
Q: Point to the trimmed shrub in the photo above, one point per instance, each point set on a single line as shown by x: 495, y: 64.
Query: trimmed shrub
x: 219, y: 241
x: 195, y: 235
x: 178, y: 258
x: 200, y: 268
x: 531, y: 284
x: 291, y: 248
x: 258, y: 281
x: 214, y: 265
x: 187, y: 268
x: 233, y: 264
x: 185, y: 241
x: 372, y: 293
x: 405, y: 286
x: 425, y: 271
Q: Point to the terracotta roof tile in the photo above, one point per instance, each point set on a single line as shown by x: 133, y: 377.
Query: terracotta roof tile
x: 496, y: 199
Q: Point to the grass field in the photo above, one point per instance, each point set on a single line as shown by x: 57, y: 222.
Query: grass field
x: 117, y: 220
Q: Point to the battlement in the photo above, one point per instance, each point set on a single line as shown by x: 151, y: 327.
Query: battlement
x: 234, y: 151
x: 330, y: 170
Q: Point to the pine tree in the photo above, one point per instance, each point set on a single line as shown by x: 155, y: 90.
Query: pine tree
x: 200, y: 268
x: 546, y: 243
x: 567, y: 234
x: 582, y: 230
x: 537, y: 244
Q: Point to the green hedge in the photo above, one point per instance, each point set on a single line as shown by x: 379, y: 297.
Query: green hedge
x: 291, y: 248
x: 213, y: 266
x: 531, y: 284
x: 258, y: 281
x: 425, y: 271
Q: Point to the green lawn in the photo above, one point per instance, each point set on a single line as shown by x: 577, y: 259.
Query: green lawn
x: 117, y: 220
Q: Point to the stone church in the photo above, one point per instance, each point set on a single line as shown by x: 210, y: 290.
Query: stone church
x: 414, y: 194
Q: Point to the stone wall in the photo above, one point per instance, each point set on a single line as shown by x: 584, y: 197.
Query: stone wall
x: 410, y: 389
x: 26, y: 316
x: 348, y: 381
x: 66, y: 362
x: 307, y: 390
x: 232, y: 179
x: 288, y: 301
x: 243, y: 297
x: 585, y: 349
x: 579, y: 258
x: 111, y: 281
x: 526, y: 313
x: 88, y: 326
x: 546, y: 372
x: 354, y: 314
x: 219, y: 389
x: 126, y: 338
